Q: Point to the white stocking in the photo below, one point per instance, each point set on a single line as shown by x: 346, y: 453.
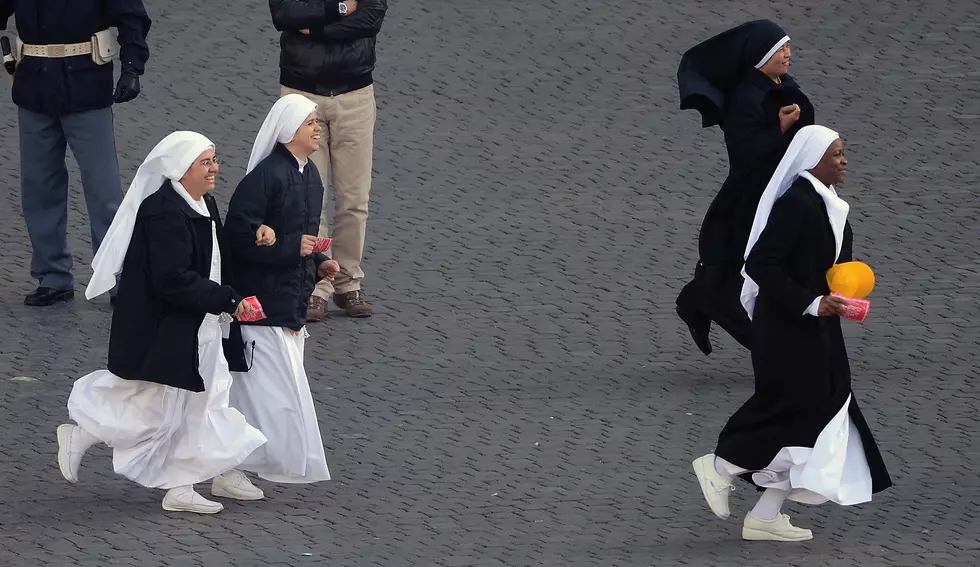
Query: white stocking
x: 769, y: 505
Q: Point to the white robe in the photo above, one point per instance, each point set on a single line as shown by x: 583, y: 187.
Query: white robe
x: 165, y: 437
x: 835, y: 469
x: 274, y: 395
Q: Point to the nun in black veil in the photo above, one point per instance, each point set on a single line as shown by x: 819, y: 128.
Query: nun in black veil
x: 739, y: 81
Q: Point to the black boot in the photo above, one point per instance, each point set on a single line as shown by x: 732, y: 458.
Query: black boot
x: 45, y: 296
x: 697, y: 322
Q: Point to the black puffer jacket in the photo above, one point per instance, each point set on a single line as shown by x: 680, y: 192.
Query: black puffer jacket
x: 338, y: 54
x: 277, y: 195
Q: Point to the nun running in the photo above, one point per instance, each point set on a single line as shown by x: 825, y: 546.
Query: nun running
x: 163, y: 403
x: 281, y: 189
x: 801, y: 435
x: 737, y: 80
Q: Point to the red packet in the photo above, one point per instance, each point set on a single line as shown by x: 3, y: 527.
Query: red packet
x: 322, y: 244
x: 256, y: 314
x: 857, y: 309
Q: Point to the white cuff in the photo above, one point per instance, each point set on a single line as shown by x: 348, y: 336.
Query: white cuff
x: 814, y: 308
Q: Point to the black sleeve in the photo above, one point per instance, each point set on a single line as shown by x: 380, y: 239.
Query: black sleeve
x: 6, y: 10
x: 365, y: 22
x: 766, y: 260
x: 170, y: 250
x: 847, y: 245
x: 130, y: 19
x: 295, y: 15
x: 751, y: 137
x: 247, y: 212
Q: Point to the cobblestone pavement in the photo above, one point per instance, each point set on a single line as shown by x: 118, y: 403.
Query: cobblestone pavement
x: 525, y: 394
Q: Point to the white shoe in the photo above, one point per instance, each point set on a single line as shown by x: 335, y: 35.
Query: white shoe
x: 776, y: 529
x: 185, y: 499
x: 73, y: 442
x: 715, y: 487
x: 234, y: 484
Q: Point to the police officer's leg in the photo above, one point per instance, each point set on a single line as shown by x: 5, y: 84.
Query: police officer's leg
x: 44, y: 198
x: 92, y: 142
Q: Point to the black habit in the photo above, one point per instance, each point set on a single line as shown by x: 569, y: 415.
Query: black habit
x: 802, y: 375
x: 165, y: 291
x: 718, y: 78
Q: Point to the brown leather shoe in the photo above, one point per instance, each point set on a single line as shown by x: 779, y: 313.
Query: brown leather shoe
x: 317, y: 310
x: 354, y: 303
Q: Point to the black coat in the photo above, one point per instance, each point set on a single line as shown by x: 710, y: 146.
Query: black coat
x: 802, y: 375
x: 755, y: 146
x: 277, y: 195
x: 165, y: 292
x: 73, y: 84
x: 338, y: 55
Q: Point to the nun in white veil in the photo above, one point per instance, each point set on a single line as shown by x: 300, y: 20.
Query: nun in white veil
x: 162, y: 403
x: 281, y: 189
x: 801, y: 436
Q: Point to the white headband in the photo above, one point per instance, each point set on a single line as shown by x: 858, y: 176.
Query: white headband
x: 779, y: 45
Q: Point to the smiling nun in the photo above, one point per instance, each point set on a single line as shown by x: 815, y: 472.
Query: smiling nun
x: 162, y: 404
x: 281, y: 189
x: 740, y: 81
x: 801, y: 435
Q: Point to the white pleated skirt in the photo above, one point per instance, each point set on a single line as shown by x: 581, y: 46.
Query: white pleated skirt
x: 835, y: 469
x: 165, y: 437
x: 274, y: 395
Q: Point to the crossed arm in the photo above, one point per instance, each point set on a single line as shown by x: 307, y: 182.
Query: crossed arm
x: 322, y: 20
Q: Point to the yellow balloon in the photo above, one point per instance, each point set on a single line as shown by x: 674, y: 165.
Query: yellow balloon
x: 851, y: 279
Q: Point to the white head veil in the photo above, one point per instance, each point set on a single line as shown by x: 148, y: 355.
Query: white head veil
x: 285, y: 118
x: 804, y: 153
x: 170, y: 159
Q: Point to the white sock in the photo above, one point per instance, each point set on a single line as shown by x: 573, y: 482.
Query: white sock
x: 86, y: 439
x: 769, y: 505
x: 726, y: 469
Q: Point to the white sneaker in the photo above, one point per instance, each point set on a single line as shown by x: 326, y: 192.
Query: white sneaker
x: 776, y: 529
x: 73, y: 442
x: 234, y: 484
x: 185, y: 499
x: 715, y: 487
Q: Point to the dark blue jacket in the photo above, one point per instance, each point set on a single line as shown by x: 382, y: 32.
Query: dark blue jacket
x: 165, y: 291
x: 73, y: 84
x: 277, y: 195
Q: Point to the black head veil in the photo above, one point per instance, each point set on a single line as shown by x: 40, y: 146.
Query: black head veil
x: 710, y: 70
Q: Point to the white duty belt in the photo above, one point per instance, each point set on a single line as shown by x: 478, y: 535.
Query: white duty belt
x: 57, y: 51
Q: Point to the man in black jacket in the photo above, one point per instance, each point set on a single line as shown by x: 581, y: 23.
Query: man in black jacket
x: 328, y: 56
x: 64, y: 94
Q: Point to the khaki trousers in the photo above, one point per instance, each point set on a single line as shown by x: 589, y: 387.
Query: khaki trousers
x: 344, y: 159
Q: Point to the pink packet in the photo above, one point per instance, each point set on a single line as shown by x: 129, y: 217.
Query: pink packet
x: 257, y: 313
x: 857, y: 309
x: 322, y: 244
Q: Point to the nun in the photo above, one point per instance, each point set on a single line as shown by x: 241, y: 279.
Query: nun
x: 162, y: 404
x: 281, y: 189
x: 801, y: 435
x: 739, y: 81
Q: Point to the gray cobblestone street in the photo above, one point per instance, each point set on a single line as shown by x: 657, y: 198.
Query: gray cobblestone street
x: 525, y: 394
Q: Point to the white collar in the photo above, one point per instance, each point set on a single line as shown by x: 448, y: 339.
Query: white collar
x: 198, y: 205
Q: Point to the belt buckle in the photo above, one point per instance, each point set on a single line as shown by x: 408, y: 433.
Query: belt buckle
x: 55, y: 50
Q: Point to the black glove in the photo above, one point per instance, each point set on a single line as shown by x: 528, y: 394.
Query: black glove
x: 128, y: 86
